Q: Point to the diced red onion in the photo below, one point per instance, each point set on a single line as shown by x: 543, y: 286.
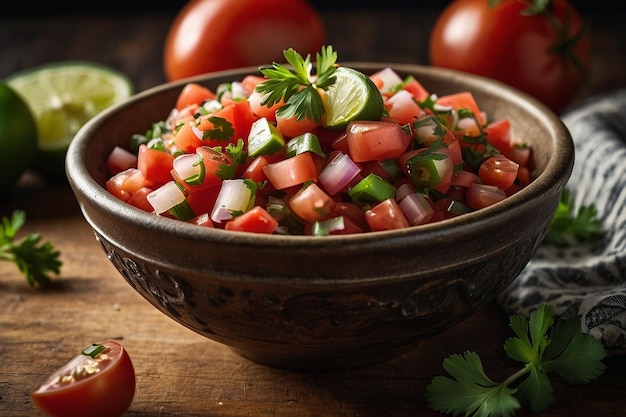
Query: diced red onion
x: 338, y: 173
x: 416, y: 209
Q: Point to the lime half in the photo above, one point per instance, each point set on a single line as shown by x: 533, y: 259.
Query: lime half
x: 63, y: 96
x: 353, y: 96
x: 18, y: 138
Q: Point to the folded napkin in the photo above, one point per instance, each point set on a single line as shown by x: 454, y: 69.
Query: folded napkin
x: 588, y: 280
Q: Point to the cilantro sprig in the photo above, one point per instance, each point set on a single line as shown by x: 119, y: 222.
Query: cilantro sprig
x: 298, y: 86
x: 568, y: 227
x: 34, y: 259
x: 544, y: 345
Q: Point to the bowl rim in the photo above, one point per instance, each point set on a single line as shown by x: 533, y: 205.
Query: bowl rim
x: 556, y: 169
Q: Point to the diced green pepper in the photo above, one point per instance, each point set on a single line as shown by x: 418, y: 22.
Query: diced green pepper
x: 306, y: 142
x: 264, y: 139
x: 372, y: 189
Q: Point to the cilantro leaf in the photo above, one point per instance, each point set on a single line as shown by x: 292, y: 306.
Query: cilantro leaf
x: 568, y: 228
x: 472, y: 392
x: 573, y: 355
x: 34, y: 259
x: 297, y: 87
x: 222, y: 130
x: 543, y: 344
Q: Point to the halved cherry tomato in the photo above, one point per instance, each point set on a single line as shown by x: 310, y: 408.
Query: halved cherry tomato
x: 99, y: 382
x: 211, y: 35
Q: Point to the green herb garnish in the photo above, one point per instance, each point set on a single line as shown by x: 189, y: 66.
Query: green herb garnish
x: 543, y: 345
x: 568, y: 228
x: 36, y: 261
x: 297, y: 86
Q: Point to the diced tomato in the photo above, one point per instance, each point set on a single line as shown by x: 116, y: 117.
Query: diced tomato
x: 463, y: 178
x: 123, y: 184
x: 341, y: 144
x: 256, y: 220
x: 203, y: 220
x: 376, y: 140
x: 214, y: 163
x: 203, y: 201
x: 254, y: 170
x: 188, y: 137
x: 155, y: 165
x: 480, y: 195
x: 386, y: 215
x: 290, y: 127
x: 463, y: 100
x: 292, y: 171
x: 249, y: 82
x: 240, y: 116
x: 524, y: 176
x: 402, y: 107
x: 139, y: 199
x: 311, y: 203
x: 416, y: 89
x: 498, y: 170
x: 353, y: 212
x: 193, y: 93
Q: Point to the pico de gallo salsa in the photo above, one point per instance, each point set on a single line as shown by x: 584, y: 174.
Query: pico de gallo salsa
x: 225, y: 159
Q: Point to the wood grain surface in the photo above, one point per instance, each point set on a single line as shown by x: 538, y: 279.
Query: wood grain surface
x: 180, y: 373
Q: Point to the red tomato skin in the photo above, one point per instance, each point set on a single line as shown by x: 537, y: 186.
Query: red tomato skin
x: 480, y: 195
x: 501, y: 43
x: 156, y: 165
x: 386, y: 215
x: 311, y: 204
x: 193, y: 93
x: 108, y: 393
x: 256, y: 220
x: 212, y: 35
x: 292, y: 171
x: 375, y: 140
x: 498, y: 170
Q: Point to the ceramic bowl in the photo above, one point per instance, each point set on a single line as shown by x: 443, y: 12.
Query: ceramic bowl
x: 323, y: 302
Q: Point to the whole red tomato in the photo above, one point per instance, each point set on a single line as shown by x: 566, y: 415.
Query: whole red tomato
x: 99, y: 382
x: 212, y: 35
x: 541, y: 50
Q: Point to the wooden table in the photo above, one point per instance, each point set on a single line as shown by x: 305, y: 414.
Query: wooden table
x: 180, y: 373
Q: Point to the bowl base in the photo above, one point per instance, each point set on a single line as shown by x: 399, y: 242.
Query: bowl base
x: 323, y: 361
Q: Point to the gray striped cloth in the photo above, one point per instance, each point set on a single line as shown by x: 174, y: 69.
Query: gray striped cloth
x: 587, y: 280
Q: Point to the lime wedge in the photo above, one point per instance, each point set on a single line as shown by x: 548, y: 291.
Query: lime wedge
x: 18, y: 138
x: 353, y: 96
x: 63, y: 96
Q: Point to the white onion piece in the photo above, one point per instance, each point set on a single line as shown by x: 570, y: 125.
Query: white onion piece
x: 416, y: 209
x: 211, y: 105
x: 165, y: 197
x: 187, y: 166
x: 389, y: 77
x: 338, y: 173
x: 234, y: 196
x: 238, y: 90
